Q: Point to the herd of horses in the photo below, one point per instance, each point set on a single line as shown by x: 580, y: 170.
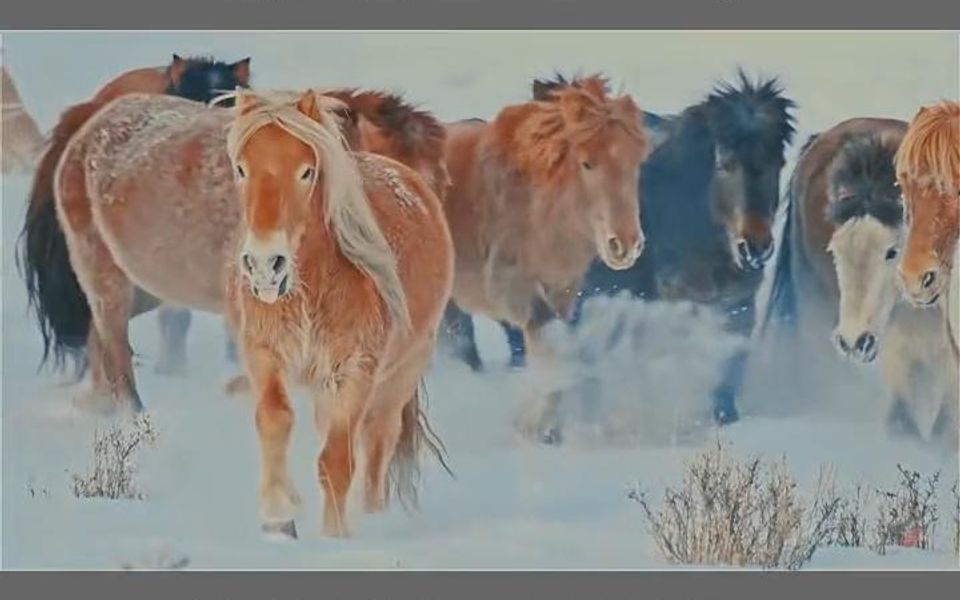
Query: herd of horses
x: 342, y: 233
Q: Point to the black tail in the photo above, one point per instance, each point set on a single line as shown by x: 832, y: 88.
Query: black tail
x: 55, y: 297
x: 782, y: 302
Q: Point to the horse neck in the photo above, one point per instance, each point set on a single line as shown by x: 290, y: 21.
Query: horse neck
x: 676, y: 184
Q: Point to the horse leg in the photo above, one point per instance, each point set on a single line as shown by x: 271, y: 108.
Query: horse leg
x: 457, y: 334
x: 231, y: 347
x: 518, y: 349
x: 548, y: 419
x: 900, y: 421
x: 174, y: 323
x: 111, y: 297
x: 383, y: 425
x: 337, y: 461
x: 278, y: 499
x: 725, y: 394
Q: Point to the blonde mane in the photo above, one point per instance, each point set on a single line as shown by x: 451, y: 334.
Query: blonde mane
x: 347, y: 212
x: 539, y: 135
x: 929, y: 155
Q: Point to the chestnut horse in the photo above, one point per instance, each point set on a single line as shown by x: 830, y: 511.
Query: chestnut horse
x: 339, y: 282
x: 41, y: 240
x: 536, y: 195
x: 928, y: 171
x: 145, y: 200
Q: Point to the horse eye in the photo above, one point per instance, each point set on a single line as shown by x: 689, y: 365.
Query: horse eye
x: 240, y: 172
x: 586, y: 165
x: 891, y: 254
x: 307, y: 174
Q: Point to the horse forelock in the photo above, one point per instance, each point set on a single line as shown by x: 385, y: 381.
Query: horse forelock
x: 862, y: 182
x: 751, y: 115
x: 929, y: 155
x: 538, y: 135
x: 346, y: 210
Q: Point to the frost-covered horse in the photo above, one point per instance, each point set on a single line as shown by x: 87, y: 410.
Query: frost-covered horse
x: 51, y: 293
x: 342, y: 269
x: 145, y: 199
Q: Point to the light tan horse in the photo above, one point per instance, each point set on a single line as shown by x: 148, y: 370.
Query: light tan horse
x: 144, y: 198
x: 20, y: 138
x: 339, y: 282
x: 536, y: 195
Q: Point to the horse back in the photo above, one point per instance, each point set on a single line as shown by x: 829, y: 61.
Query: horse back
x: 149, y: 80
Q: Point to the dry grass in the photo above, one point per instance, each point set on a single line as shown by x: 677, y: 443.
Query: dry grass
x: 956, y: 518
x: 907, y: 515
x: 741, y: 514
x: 114, y: 467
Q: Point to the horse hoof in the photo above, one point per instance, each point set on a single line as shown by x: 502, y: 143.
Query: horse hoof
x: 279, y: 532
x: 726, y: 416
x: 552, y: 436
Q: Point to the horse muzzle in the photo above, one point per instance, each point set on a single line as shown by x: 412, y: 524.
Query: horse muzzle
x: 862, y: 349
x: 752, y: 256
x: 269, y: 279
x: 619, y: 255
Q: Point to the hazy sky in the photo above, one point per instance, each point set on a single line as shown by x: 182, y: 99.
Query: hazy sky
x: 832, y: 75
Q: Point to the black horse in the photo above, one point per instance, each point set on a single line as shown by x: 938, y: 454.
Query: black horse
x: 709, y: 195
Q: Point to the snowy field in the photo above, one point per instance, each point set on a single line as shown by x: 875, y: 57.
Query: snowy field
x: 512, y: 505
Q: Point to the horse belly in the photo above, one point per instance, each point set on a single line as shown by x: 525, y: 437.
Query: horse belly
x: 169, y: 241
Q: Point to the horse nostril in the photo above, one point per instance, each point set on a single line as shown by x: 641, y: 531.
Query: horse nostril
x: 247, y: 262
x: 928, y: 279
x: 616, y: 247
x: 865, y: 343
x: 277, y: 263
x: 842, y: 342
x: 743, y: 248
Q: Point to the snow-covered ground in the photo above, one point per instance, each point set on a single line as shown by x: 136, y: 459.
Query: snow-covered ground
x: 513, y: 504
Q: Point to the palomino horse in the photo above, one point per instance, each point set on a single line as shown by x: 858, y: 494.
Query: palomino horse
x: 536, y: 194
x: 51, y: 294
x: 145, y: 199
x: 339, y: 281
x: 20, y: 137
x: 844, y: 204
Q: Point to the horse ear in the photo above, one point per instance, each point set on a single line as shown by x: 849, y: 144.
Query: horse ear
x: 348, y: 123
x: 541, y: 90
x: 176, y: 69
x: 241, y: 70
x: 307, y: 104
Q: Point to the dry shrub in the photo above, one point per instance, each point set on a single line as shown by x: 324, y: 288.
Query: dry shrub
x: 741, y: 514
x: 852, y: 530
x: 907, y: 515
x: 114, y: 467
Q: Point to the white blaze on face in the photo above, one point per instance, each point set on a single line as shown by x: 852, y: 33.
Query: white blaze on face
x: 265, y: 262
x: 864, y: 254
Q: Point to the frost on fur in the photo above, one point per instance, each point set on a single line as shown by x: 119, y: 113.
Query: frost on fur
x: 741, y: 514
x: 114, y: 466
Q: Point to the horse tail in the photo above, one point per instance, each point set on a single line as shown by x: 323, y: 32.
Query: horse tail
x: 415, y: 433
x: 53, y: 292
x: 782, y: 302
